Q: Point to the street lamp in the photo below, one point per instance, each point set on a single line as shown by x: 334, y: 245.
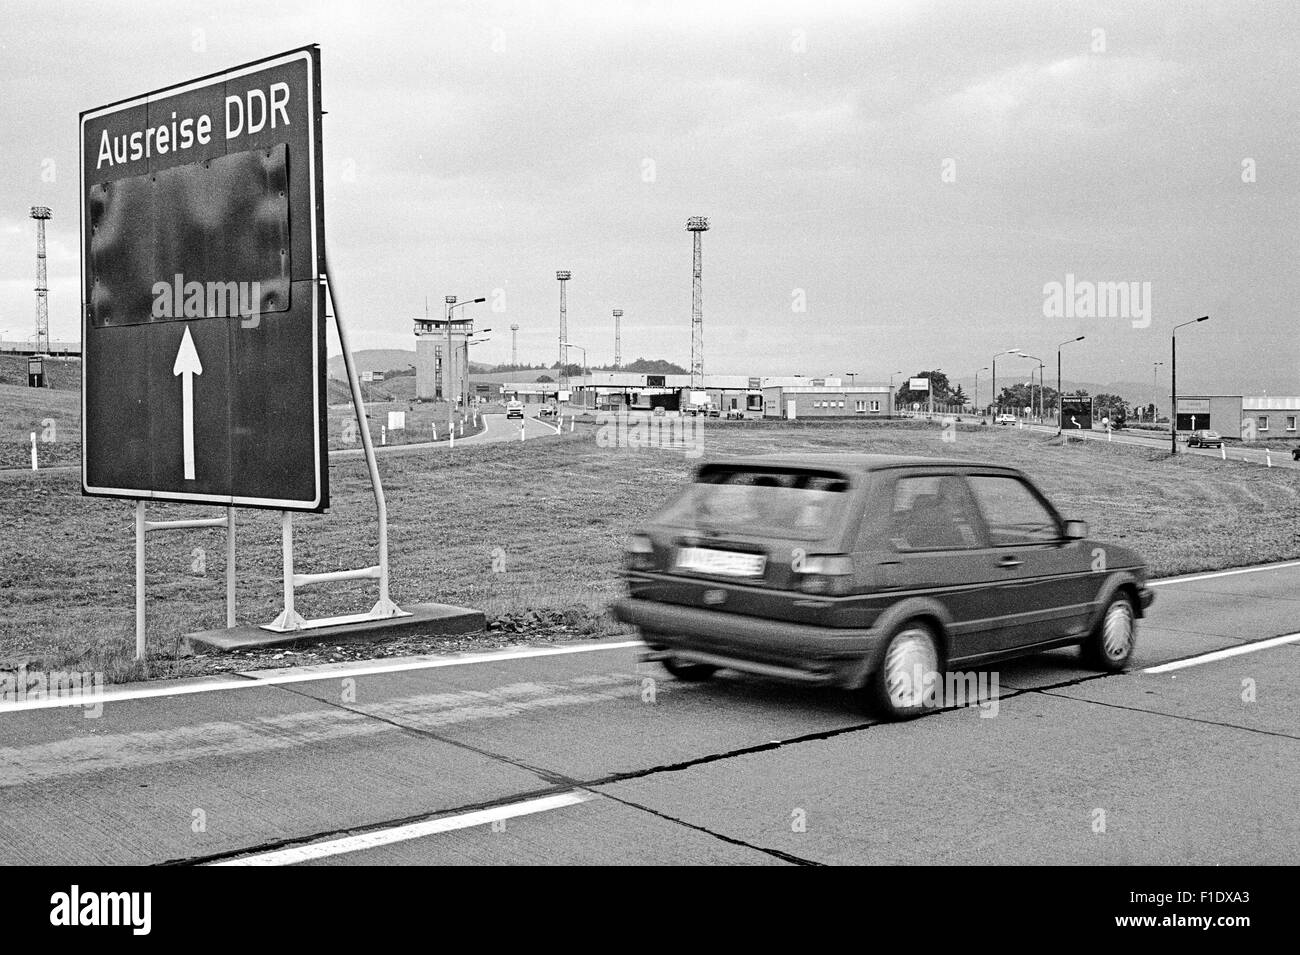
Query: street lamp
x: 1173, y: 381
x: 1009, y: 351
x: 977, y: 388
x: 452, y: 304
x: 1154, y: 366
x: 1059, y: 403
x: 1031, y: 384
x: 581, y: 349
x: 893, y: 397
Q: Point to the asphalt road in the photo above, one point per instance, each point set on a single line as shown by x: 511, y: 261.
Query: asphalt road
x: 586, y: 755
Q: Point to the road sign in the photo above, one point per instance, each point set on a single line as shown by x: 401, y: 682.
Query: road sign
x: 203, y: 326
x: 36, y: 372
x: 918, y: 384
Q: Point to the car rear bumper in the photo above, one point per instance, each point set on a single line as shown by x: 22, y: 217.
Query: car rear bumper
x: 788, y: 651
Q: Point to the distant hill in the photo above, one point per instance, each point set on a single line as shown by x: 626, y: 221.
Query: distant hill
x: 373, y: 359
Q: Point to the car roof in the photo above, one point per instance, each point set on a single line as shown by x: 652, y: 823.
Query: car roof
x: 847, y: 461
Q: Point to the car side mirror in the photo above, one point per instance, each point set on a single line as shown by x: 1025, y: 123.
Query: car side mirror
x: 1076, y: 530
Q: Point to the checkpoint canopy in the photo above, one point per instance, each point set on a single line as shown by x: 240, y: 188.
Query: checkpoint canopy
x: 203, y: 325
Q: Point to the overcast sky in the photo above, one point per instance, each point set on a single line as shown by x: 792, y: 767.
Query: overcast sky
x: 890, y: 185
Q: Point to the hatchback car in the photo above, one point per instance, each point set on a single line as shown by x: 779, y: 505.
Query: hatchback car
x: 856, y: 570
x: 1204, y: 439
x: 1005, y: 419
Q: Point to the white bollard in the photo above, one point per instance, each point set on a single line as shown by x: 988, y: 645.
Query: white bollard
x: 1223, y: 452
x: 451, y: 436
x: 434, y: 426
x: 1268, y: 457
x: 383, y: 434
x: 572, y: 422
x: 462, y: 427
x: 34, y: 468
x: 521, y: 431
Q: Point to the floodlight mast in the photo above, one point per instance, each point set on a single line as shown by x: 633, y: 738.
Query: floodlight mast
x: 41, y: 214
x: 696, y: 225
x: 563, y: 275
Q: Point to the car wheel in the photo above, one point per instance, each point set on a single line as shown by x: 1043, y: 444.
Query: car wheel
x: 1110, y: 646
x: 898, y: 688
x: 689, y: 672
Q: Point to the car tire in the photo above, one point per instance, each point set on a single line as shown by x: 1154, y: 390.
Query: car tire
x: 892, y: 691
x: 689, y: 672
x: 1110, y: 645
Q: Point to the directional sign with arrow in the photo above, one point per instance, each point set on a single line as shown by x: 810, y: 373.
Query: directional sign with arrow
x: 187, y: 366
x: 201, y: 260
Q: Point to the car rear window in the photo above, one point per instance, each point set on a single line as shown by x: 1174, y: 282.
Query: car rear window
x: 764, y: 502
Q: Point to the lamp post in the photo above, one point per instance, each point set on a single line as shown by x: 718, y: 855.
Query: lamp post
x: 893, y: 397
x: 1173, y: 381
x: 452, y: 304
x: 977, y: 389
x: 1059, y: 405
x: 1154, y: 366
x: 584, y: 369
x: 1009, y: 351
x: 1031, y: 384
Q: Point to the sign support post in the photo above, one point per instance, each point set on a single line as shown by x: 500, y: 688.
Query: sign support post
x: 142, y: 527
x: 384, y: 608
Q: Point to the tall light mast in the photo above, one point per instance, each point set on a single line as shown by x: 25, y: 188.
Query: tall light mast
x: 563, y: 275
x: 697, y: 225
x: 618, y: 339
x: 514, y: 345
x: 40, y: 214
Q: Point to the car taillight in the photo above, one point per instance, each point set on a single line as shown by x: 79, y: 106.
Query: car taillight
x: 824, y: 573
x: 640, y: 553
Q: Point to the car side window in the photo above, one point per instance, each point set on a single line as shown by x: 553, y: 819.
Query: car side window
x: 933, y: 512
x: 1012, y: 512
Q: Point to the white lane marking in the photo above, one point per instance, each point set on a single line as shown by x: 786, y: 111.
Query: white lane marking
x: 281, y: 677
x: 345, y: 670
x: 1210, y: 575
x: 1224, y: 654
x: 415, y: 830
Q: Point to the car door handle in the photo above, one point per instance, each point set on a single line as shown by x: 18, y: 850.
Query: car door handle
x: 1010, y: 562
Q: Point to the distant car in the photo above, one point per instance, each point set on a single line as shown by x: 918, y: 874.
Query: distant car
x: 659, y: 410
x: 1005, y: 419
x: 872, y: 572
x: 1204, y: 439
x: 714, y: 412
x: 548, y: 411
x: 735, y: 414
x: 514, y: 409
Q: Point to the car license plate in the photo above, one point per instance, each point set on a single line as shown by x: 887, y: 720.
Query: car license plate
x: 721, y: 563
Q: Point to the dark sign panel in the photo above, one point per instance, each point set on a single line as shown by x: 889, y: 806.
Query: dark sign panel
x: 203, y: 327
x: 1076, y: 412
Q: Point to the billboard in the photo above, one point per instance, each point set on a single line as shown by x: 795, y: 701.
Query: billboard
x: 1076, y: 412
x: 918, y: 384
x: 203, y: 320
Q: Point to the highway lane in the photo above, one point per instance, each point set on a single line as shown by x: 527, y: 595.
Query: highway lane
x: 1179, y: 765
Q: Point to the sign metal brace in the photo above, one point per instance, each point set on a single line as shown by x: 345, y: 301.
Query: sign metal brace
x: 289, y: 620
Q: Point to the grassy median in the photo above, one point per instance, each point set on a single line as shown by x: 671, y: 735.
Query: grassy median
x: 532, y: 532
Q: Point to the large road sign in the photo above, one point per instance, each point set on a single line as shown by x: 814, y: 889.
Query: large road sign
x: 203, y: 326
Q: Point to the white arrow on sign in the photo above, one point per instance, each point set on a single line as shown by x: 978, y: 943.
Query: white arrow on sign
x: 188, y: 364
